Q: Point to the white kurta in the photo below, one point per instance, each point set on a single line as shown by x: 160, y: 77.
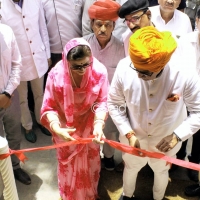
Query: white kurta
x: 179, y: 25
x: 10, y: 60
x: 110, y: 55
x: 63, y: 18
x: 125, y: 38
x: 29, y: 27
x: 149, y: 114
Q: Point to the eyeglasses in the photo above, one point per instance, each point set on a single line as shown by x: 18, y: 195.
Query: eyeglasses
x: 80, y: 67
x: 134, y: 19
x: 145, y: 74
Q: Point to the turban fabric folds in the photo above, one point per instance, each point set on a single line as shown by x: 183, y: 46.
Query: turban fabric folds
x: 104, y: 10
x: 150, y: 49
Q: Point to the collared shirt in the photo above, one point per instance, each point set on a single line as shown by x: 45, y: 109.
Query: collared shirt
x: 110, y: 55
x: 146, y: 108
x: 179, y: 25
x: 19, y: 3
x: 10, y: 60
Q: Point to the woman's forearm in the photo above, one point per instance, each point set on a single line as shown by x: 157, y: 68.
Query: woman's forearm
x: 54, y: 121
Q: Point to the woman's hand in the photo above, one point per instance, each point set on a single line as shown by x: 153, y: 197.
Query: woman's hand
x: 63, y: 133
x: 98, y: 133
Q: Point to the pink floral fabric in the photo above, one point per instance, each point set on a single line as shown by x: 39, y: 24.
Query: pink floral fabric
x: 78, y: 165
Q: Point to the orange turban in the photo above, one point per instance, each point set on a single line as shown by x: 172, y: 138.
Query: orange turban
x: 150, y: 49
x: 104, y: 10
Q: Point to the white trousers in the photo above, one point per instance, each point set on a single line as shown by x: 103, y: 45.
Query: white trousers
x: 133, y: 165
x: 38, y: 92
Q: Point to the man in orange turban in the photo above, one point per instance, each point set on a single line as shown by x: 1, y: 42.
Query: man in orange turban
x: 156, y: 93
x: 108, y: 50
x: 150, y: 49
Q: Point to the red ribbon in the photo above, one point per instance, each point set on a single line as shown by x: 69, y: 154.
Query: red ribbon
x: 116, y: 145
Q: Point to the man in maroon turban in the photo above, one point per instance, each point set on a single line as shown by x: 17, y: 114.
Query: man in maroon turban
x: 109, y: 51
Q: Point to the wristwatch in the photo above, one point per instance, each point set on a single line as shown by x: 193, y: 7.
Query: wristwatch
x: 130, y: 134
x: 178, y: 138
x: 7, y: 94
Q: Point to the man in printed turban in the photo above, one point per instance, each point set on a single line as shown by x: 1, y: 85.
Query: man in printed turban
x: 108, y: 50
x: 156, y: 93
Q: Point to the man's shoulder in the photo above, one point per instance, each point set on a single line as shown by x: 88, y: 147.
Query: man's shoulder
x: 123, y: 64
x: 181, y: 15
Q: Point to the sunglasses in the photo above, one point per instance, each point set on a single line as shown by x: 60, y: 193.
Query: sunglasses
x: 80, y: 67
x: 145, y: 74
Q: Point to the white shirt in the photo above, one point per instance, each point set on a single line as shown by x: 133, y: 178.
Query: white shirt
x: 189, y: 51
x: 146, y: 108
x: 120, y: 27
x: 179, y: 25
x: 110, y: 55
x: 10, y: 60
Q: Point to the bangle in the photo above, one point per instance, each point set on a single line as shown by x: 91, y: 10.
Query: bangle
x: 99, y: 121
x: 7, y: 94
x: 55, y: 121
x: 130, y: 134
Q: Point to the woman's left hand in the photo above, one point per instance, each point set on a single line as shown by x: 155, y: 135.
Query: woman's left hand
x: 98, y: 133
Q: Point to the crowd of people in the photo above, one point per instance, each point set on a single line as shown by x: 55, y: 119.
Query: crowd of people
x: 93, y: 58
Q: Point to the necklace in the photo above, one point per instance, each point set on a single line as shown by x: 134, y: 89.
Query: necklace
x: 72, y: 78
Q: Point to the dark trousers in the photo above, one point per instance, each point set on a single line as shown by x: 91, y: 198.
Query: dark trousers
x: 54, y: 58
x: 195, y: 151
x: 10, y: 124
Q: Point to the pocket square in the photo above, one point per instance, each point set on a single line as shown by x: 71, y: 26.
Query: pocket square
x: 173, y: 97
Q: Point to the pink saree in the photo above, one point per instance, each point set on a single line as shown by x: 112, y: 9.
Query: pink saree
x: 78, y: 165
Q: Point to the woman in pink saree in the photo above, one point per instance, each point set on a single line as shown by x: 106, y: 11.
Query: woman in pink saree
x: 74, y: 106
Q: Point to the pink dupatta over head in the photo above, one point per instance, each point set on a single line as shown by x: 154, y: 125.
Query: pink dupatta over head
x: 91, y: 83
x: 78, y: 165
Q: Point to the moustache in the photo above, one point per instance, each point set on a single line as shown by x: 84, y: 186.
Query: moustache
x: 102, y: 34
x: 135, y: 28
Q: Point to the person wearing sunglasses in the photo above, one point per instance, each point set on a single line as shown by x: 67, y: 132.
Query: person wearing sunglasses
x: 109, y: 51
x: 156, y: 93
x: 77, y: 84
